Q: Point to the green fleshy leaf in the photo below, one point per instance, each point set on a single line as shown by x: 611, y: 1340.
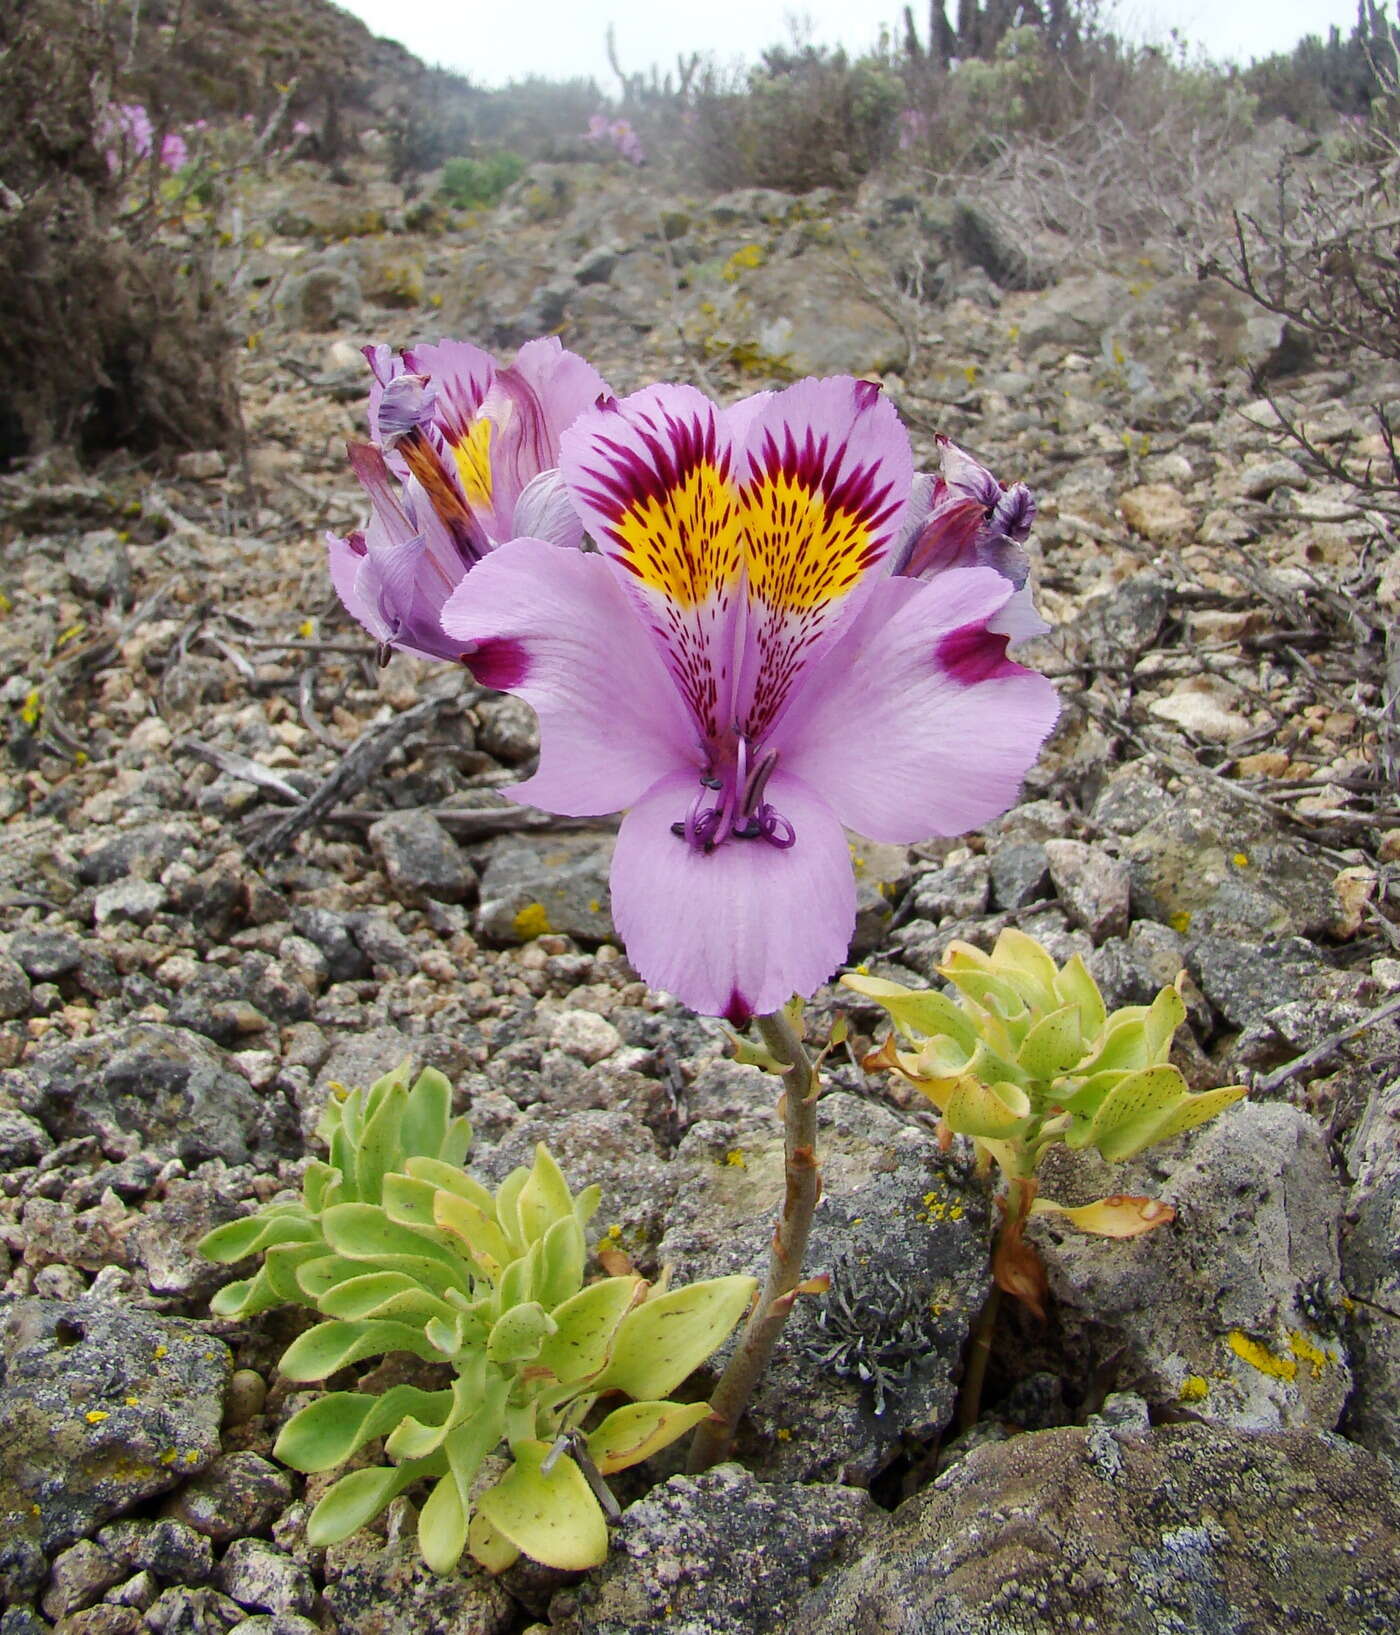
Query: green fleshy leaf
x: 585, y: 1326
x: 1164, y: 1016
x: 1053, y: 1044
x: 408, y: 1201
x: 993, y: 1111
x: 508, y: 1210
x: 379, y: 1148
x: 329, y: 1346
x: 1083, y: 1096
x: 554, y: 1519
x: 384, y: 1294
x: 282, y: 1269
x: 1074, y: 986
x: 521, y: 1280
x: 544, y: 1198
x: 563, y: 1254
x: 663, y: 1341
x: 586, y: 1204
x: 1030, y: 968
x: 487, y: 1243
x: 246, y: 1298
x: 326, y: 1433
x: 236, y: 1240
x: 635, y: 1432
x: 426, y: 1114
x: 993, y: 992
x: 490, y: 1549
x: 316, y: 1277
x: 358, y: 1498
x: 918, y: 1013
x: 1197, y: 1109
x: 518, y: 1334
x: 442, y: 1526
x: 448, y: 1178
x: 365, y: 1232
x: 1134, y: 1110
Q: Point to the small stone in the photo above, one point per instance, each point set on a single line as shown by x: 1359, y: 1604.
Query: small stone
x: 1201, y: 707
x: 129, y: 902
x: 531, y: 888
x: 507, y: 728
x: 1157, y: 512
x: 139, y: 1591
x: 585, y: 1035
x: 170, y: 1549
x: 383, y: 944
x: 239, y: 1493
x: 15, y: 992
x: 1094, y: 887
x: 259, y: 1576
x: 956, y: 891
x: 46, y: 955
x: 182, y: 1611
x: 421, y: 859
x: 1020, y: 874
x: 23, y: 1140
x: 277, y: 1623
x: 247, y: 1392
x: 1257, y: 482
x: 79, y: 1576
x: 105, y: 1619
x: 202, y: 465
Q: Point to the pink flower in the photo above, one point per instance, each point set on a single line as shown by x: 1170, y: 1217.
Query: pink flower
x: 619, y: 134
x: 463, y: 457
x: 737, y: 667
x: 174, y: 153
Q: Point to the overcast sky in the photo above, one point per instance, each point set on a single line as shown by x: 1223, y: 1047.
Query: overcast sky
x: 493, y: 41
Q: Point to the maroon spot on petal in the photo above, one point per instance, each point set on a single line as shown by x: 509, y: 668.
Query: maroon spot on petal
x: 499, y: 663
x: 867, y: 393
x: 972, y: 653
x: 738, y: 1011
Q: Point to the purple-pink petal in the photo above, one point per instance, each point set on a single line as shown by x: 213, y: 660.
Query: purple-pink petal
x: 917, y: 723
x: 557, y: 630
x: 737, y: 931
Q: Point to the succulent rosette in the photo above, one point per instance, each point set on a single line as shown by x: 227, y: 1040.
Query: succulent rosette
x: 739, y: 668
x: 463, y: 456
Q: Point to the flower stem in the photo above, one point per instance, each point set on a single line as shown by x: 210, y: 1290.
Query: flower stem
x: 714, y: 1437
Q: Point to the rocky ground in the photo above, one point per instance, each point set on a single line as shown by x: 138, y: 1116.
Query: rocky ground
x: 240, y: 863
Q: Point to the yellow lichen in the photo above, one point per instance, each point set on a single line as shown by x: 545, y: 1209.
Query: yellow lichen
x: 1306, y: 1350
x: 95, y: 1416
x: 1258, y: 1356
x: 532, y: 921
x: 783, y: 1434
x: 161, y: 1351
x: 1180, y: 922
x: 735, y: 1158
x: 1240, y: 860
x: 1194, y: 1388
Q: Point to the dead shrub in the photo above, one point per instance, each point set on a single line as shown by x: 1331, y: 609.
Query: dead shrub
x: 113, y: 337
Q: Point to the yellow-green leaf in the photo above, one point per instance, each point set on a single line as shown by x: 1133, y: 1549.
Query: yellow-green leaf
x: 661, y: 1342
x: 987, y: 1110
x: 1053, y: 1044
x: 917, y: 1013
x: 1120, y: 1216
x: 635, y: 1432
x: 442, y: 1526
x: 492, y: 1550
x: 553, y: 1518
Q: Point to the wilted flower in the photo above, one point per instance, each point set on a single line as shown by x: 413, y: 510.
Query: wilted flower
x: 738, y: 668
x: 462, y: 459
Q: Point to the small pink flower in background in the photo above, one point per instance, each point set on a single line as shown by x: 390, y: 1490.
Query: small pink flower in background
x: 174, y: 151
x: 618, y: 133
x: 739, y: 669
x: 913, y: 129
x: 463, y: 457
x: 300, y: 128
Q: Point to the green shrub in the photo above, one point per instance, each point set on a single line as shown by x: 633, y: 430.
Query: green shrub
x: 472, y: 184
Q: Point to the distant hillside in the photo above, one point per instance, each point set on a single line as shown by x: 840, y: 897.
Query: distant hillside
x: 216, y: 58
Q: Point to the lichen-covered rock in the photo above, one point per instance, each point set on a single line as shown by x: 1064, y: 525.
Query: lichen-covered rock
x: 1233, y: 1310
x: 533, y: 887
x: 718, y: 1554
x: 379, y: 1588
x: 903, y: 1233
x: 240, y: 1493
x: 421, y: 859
x: 168, y: 1088
x: 101, y: 1408
x: 1192, y: 1529
x: 1371, y: 1270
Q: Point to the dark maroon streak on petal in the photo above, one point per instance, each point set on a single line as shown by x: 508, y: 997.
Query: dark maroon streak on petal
x: 867, y: 393
x: 812, y: 465
x: 973, y: 653
x: 499, y: 663
x: 738, y: 1012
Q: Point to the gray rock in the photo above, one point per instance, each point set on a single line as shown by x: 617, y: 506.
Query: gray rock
x: 537, y: 886
x: 507, y: 728
x: 170, y: 1549
x: 882, y: 876
x: 103, y: 1619
x: 721, y: 1554
x: 421, y: 859
x: 101, y: 1408
x: 100, y: 566
x: 144, y: 850
x: 181, y: 1611
x: 1245, y: 980
x: 1130, y: 799
x: 1371, y: 1270
x: 374, y: 1588
x: 23, y: 1140
x: 324, y: 298
x: 164, y: 1085
x: 902, y: 1232
x: 1020, y: 874
x: 332, y: 934
x: 46, y: 954
x: 1075, y: 313
x: 383, y: 944
x: 987, y: 243
x: 956, y: 891
x: 239, y: 1493
x: 80, y: 1574
x: 1229, y: 1311
x: 15, y: 992
x: 1093, y: 886
x: 277, y: 1623
x: 257, y: 1574
x: 597, y: 266
x: 128, y: 902
x: 1199, y: 868
x: 1191, y: 1529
